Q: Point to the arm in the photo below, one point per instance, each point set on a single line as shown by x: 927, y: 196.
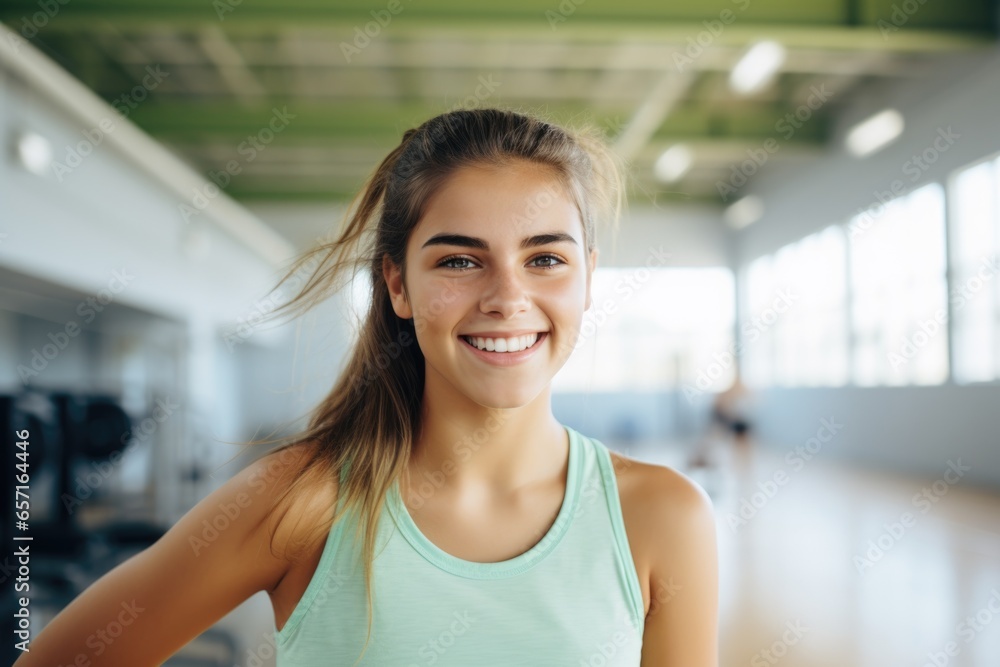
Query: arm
x: 681, y: 626
x: 167, y: 595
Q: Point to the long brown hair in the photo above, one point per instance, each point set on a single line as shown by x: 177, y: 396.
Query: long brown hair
x: 366, y: 426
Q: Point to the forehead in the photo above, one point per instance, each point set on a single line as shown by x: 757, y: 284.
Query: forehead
x: 500, y: 202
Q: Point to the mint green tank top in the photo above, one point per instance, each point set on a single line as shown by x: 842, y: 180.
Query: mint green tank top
x: 573, y: 599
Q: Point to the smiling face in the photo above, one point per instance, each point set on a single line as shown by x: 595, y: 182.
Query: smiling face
x: 499, y: 253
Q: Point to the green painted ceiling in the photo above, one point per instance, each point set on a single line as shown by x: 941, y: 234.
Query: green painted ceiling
x: 229, y: 63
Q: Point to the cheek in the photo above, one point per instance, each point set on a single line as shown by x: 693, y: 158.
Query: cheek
x: 571, y: 295
x: 440, y: 304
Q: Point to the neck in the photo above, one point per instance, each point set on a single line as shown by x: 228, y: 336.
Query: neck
x: 465, y: 448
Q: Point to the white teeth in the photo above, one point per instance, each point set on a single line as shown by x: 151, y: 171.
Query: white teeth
x: 515, y: 344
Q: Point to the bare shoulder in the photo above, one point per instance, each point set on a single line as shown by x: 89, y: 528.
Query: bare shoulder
x: 275, y: 508
x: 660, y: 492
x: 291, y: 526
x: 669, y: 520
x: 293, y: 529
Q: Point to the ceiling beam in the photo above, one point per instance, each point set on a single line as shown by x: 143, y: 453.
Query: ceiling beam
x: 519, y: 15
x: 647, y: 119
x: 528, y: 56
x: 837, y: 37
x: 232, y: 69
x: 383, y: 124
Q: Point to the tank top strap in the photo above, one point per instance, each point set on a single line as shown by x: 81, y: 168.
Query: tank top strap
x: 320, y: 583
x: 606, y: 470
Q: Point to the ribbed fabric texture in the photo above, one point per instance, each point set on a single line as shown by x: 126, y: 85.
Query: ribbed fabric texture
x: 573, y: 599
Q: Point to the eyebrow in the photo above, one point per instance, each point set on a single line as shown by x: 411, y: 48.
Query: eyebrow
x: 473, y: 242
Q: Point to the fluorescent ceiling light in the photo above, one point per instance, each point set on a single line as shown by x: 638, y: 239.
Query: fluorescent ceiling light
x: 757, y: 67
x: 745, y: 211
x: 674, y: 163
x: 872, y: 134
x: 35, y: 153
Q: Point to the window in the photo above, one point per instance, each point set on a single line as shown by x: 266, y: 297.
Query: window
x: 794, y: 329
x: 757, y: 344
x: 975, y: 251
x: 898, y: 291
x: 654, y: 329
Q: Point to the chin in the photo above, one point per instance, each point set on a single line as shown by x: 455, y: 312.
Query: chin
x: 503, y: 405
x: 504, y: 398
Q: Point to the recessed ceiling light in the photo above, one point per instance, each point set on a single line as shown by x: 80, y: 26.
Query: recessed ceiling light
x: 874, y: 133
x: 745, y: 211
x: 757, y: 67
x: 35, y: 153
x: 674, y: 163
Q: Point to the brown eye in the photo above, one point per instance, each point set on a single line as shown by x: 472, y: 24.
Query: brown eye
x: 556, y: 261
x: 447, y: 262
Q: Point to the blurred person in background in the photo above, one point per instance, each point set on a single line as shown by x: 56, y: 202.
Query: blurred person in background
x: 731, y: 411
x: 729, y: 423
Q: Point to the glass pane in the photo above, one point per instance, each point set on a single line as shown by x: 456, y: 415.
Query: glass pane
x: 756, y: 339
x: 974, y: 213
x: 973, y: 367
x: 897, y: 277
x: 975, y: 294
x: 795, y: 327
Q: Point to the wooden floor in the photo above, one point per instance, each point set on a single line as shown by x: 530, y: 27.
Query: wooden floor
x: 865, y: 575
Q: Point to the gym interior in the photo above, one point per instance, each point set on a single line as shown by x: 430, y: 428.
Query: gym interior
x: 800, y: 309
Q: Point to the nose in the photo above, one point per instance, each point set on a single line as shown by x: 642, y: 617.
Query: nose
x: 506, y: 294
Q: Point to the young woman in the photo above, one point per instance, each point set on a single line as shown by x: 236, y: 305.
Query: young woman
x: 435, y: 512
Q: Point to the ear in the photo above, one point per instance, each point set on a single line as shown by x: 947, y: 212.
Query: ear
x: 591, y: 264
x: 397, y: 291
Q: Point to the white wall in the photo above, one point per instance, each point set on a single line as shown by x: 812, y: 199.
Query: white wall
x: 117, y: 212
x: 107, y: 215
